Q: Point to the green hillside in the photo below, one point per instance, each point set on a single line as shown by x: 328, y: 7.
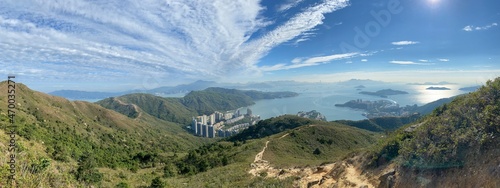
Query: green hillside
x: 212, y: 99
x: 74, y: 131
x: 271, y: 126
x: 294, y: 142
x: 317, y: 143
x: 381, y: 124
x: 168, y: 109
x: 458, y: 138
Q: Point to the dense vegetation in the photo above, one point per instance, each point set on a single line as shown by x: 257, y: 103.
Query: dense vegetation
x: 168, y: 109
x: 212, y: 99
x: 271, y: 126
x: 467, y: 126
x: 381, y: 124
x: 71, y: 131
x: 429, y: 107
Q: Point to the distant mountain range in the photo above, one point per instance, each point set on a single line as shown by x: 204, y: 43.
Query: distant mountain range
x: 167, y: 90
x: 197, y: 86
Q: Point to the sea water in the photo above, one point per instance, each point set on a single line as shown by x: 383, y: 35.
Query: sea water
x: 323, y: 98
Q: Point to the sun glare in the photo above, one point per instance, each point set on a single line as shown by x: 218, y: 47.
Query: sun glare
x: 433, y: 1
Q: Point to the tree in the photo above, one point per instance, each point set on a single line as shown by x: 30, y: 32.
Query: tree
x: 317, y: 151
x: 157, y: 183
x: 86, y: 171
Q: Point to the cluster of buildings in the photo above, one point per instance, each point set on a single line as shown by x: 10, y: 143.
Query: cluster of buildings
x: 212, y: 125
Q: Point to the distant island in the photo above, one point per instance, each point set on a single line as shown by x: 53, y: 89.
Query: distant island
x: 380, y: 108
x: 360, y: 87
x: 386, y: 108
x: 312, y: 115
x: 438, y: 88
x: 384, y: 93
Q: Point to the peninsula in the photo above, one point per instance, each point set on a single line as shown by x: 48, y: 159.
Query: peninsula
x: 384, y: 93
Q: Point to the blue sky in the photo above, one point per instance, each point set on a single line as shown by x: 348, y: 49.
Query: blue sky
x: 121, y: 45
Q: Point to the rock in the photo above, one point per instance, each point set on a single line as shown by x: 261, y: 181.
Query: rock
x: 388, y: 179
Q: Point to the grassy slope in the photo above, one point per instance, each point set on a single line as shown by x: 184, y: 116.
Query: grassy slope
x: 297, y: 147
x: 168, y: 109
x: 334, y: 140
x: 70, y: 129
x: 457, y: 145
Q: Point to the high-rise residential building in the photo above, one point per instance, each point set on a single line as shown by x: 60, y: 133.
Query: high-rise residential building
x: 199, y: 127
x: 237, y: 114
x: 219, y: 116
x: 194, y: 126
x: 212, y: 119
x: 211, y: 132
x: 249, y: 112
x: 204, y: 120
x: 205, y: 131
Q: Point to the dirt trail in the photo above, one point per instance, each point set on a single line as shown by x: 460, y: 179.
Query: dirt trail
x: 136, y: 108
x: 259, y: 155
x: 259, y: 165
x: 284, y: 135
x: 339, y: 174
x: 354, y: 176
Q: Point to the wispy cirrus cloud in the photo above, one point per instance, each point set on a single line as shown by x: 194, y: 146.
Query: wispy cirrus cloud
x: 306, y: 62
x: 408, y: 63
x: 93, y: 40
x: 470, y: 28
x: 404, y: 43
x: 288, y: 5
x: 444, y: 60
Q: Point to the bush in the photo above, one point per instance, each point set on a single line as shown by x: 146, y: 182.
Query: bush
x: 157, y: 183
x: 122, y: 185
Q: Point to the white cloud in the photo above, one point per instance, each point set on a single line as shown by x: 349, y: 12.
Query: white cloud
x: 467, y: 28
x: 288, y: 5
x: 90, y: 40
x: 444, y: 60
x: 364, y: 60
x: 348, y: 62
x: 313, y: 61
x: 470, y: 28
x: 404, y: 43
x: 408, y: 63
x: 423, y: 60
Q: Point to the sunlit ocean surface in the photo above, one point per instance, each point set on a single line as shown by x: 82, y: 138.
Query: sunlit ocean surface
x: 324, y: 98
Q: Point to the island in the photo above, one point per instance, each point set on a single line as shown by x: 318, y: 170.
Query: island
x: 438, y: 88
x: 312, y: 115
x: 360, y: 87
x: 384, y: 93
x: 380, y: 108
